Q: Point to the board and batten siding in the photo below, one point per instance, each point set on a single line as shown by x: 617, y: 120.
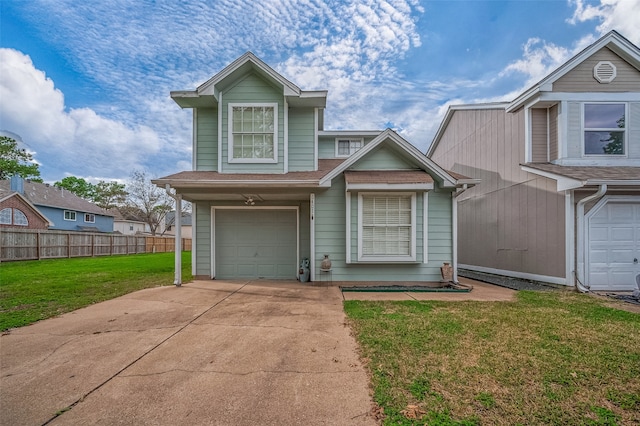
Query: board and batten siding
x: 539, y: 132
x: 512, y: 220
x: 330, y: 238
x: 203, y: 231
x: 581, y: 79
x: 250, y: 90
x: 301, y: 139
x: 206, y: 139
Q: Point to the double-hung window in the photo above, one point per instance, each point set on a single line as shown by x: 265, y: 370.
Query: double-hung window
x: 253, y: 135
x: 69, y: 215
x: 604, y: 128
x: 346, y: 147
x: 387, y: 231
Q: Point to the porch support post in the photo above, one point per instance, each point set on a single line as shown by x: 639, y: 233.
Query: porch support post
x: 312, y: 237
x: 178, y: 237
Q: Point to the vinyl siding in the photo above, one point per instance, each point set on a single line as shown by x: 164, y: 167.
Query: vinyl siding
x: 539, y: 135
x: 330, y: 227
x: 581, y: 79
x: 574, y: 130
x: 56, y: 215
x: 327, y: 145
x: 252, y: 89
x: 553, y: 133
x: 512, y: 220
x: 207, y: 139
x: 382, y: 159
x: 633, y: 136
x: 301, y: 139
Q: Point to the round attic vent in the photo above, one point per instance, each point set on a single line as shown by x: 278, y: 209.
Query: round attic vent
x: 604, y: 72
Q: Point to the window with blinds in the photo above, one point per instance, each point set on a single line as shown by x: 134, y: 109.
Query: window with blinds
x: 387, y: 226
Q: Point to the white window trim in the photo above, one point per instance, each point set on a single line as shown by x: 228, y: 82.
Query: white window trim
x: 10, y: 216
x: 90, y: 215
x: 361, y: 140
x: 230, y: 158
x: 75, y: 215
x: 387, y: 259
x: 625, y: 130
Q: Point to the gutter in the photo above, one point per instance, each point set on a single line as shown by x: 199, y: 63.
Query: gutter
x: 584, y: 288
x: 454, y: 233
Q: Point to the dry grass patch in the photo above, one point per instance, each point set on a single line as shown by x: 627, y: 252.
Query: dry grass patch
x: 548, y: 358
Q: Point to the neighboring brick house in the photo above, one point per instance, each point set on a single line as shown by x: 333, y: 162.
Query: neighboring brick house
x: 17, y: 212
x: 62, y: 209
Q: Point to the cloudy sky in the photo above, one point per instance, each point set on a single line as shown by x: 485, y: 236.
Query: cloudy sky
x: 85, y: 84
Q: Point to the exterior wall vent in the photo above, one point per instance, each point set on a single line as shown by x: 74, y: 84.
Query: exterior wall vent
x: 604, y: 72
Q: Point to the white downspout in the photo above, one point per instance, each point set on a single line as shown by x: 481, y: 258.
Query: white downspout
x: 580, y: 249
x: 178, y: 237
x: 454, y: 233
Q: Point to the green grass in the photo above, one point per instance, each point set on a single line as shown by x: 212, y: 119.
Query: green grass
x: 550, y: 358
x: 35, y: 290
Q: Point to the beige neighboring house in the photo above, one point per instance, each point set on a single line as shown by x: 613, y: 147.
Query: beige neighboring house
x: 128, y: 224
x: 560, y: 169
x: 170, y: 228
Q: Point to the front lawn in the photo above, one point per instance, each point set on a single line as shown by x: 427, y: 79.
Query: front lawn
x: 550, y: 358
x: 34, y: 290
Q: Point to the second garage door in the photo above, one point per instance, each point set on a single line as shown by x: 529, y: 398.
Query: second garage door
x: 614, y: 246
x: 256, y: 244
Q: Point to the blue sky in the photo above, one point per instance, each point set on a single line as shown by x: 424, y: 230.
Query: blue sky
x: 85, y: 84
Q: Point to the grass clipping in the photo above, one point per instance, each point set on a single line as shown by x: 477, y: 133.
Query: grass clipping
x: 548, y: 358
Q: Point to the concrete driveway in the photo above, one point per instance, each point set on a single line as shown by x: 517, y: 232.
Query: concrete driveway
x: 210, y: 352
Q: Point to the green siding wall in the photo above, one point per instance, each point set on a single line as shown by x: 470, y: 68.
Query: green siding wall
x: 252, y: 89
x: 301, y: 139
x: 330, y: 230
x: 382, y: 159
x: 207, y: 139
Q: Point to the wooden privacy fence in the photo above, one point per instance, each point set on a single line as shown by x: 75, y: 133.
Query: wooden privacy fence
x: 24, y: 244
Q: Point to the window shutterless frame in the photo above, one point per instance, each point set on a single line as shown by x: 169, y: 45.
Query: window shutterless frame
x: 252, y: 132
x: 604, y: 129
x: 70, y: 215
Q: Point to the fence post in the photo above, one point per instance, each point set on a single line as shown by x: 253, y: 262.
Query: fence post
x: 38, y: 245
x: 69, y: 245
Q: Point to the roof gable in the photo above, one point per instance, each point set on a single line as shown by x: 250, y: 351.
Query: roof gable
x: 391, y: 140
x: 25, y: 202
x: 612, y: 40
x: 208, y: 93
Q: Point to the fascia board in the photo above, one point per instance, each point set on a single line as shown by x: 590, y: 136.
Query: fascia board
x: 389, y: 187
x: 349, y: 132
x: 290, y: 89
x: 562, y: 182
x: 203, y: 184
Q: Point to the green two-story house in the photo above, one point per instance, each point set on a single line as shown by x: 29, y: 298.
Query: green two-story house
x: 270, y: 187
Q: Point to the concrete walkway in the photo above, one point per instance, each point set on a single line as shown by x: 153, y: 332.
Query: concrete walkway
x: 210, y: 352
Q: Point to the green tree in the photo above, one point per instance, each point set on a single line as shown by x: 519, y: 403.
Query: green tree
x: 78, y: 186
x: 109, y: 194
x: 16, y: 161
x: 615, y: 141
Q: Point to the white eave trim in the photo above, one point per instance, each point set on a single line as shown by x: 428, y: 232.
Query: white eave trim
x: 565, y: 183
x: 389, y: 186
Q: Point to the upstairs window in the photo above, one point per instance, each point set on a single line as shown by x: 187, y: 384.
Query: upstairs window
x: 253, y: 133
x: 90, y: 218
x: 69, y: 215
x: 604, y: 129
x: 5, y: 216
x: 346, y: 147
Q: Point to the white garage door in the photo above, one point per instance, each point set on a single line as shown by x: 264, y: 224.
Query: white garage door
x: 614, y: 246
x: 253, y: 244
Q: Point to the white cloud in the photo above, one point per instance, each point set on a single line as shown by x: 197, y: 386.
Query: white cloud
x: 620, y: 15
x: 79, y: 140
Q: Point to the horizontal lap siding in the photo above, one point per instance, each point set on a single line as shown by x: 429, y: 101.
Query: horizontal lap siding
x: 539, y: 135
x: 553, y: 133
x: 301, y: 139
x: 330, y: 230
x: 252, y: 89
x: 581, y: 79
x: 382, y: 159
x: 634, y: 130
x: 207, y: 139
